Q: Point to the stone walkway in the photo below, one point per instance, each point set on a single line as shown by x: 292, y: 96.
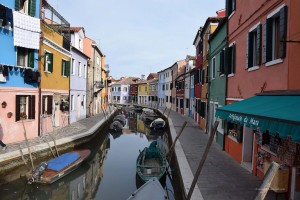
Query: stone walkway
x: 221, y: 177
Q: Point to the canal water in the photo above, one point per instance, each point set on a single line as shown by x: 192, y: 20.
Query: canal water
x: 110, y: 171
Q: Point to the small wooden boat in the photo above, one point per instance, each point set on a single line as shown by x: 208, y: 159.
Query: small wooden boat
x: 151, y: 163
x: 148, y: 115
x: 121, y: 118
x: 152, y: 189
x: 55, y: 169
x: 157, y: 124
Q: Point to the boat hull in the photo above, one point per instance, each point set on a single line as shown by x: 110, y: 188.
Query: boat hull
x: 50, y: 176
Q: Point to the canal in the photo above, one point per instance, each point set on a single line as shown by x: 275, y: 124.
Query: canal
x: 110, y: 171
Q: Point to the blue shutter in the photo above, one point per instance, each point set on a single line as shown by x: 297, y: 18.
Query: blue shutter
x: 282, y: 31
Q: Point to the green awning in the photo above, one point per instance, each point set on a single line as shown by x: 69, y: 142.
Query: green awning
x: 278, y: 114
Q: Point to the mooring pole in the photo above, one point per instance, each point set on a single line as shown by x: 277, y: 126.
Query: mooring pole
x: 201, y: 164
x: 263, y: 189
x: 173, y: 145
x: 28, y: 145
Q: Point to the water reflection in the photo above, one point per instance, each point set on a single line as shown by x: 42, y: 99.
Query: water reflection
x: 109, y: 173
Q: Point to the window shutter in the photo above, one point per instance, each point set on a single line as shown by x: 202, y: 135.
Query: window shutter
x: 258, y: 42
x: 32, y: 7
x: 50, y: 65
x: 49, y: 105
x: 31, y: 114
x: 67, y: 68
x: 30, y: 58
x: 282, y: 31
x: 221, y: 62
x: 226, y: 60
x: 269, y: 38
x: 17, y: 5
x: 43, y: 104
x: 207, y: 75
x: 248, y: 54
x: 233, y: 58
x: 63, y: 70
x: 227, y: 8
x: 18, y: 102
x: 202, y: 76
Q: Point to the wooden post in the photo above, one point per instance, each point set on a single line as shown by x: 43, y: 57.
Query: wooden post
x: 173, y: 145
x: 21, y: 152
x: 49, y: 146
x: 201, y: 164
x: 263, y: 189
x: 164, y: 110
x: 25, y: 136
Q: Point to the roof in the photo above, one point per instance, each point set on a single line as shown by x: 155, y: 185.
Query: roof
x: 275, y: 113
x: 72, y: 29
x: 220, y: 25
x: 208, y: 21
x: 126, y: 81
x: 170, y: 66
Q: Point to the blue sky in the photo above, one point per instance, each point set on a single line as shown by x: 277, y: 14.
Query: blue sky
x: 140, y: 36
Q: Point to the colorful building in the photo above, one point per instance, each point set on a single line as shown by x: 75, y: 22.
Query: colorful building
x: 262, y: 123
x: 133, y: 94
x: 19, y: 74
x: 209, y: 27
x: 95, y: 84
x: 143, y: 93
x: 161, y: 88
x: 217, y: 83
x: 55, y: 77
x: 176, y: 69
x: 153, y: 98
x: 188, y: 101
x: 78, y: 74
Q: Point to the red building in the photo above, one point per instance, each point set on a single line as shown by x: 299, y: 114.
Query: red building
x: 180, y: 93
x: 133, y: 92
x: 198, y: 43
x: 262, y: 57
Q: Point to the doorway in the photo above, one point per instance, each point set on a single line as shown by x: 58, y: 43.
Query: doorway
x: 247, y: 154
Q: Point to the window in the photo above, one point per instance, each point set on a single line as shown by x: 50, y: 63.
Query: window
x: 202, y: 109
x: 145, y: 88
x: 25, y: 57
x: 230, y: 59
x: 222, y: 62
x: 167, y: 86
x: 48, y: 62
x: 98, y: 61
x: 65, y: 68
x: 84, y: 70
x: 163, y: 87
x: 167, y: 98
x: 47, y: 104
x: 187, y: 103
x: 213, y: 68
x: 72, y: 102
x: 170, y: 99
x: 124, y: 89
x: 234, y: 130
x: 124, y: 98
x: 181, y: 103
x: 119, y: 89
x: 73, y: 66
x: 80, y: 43
x: 79, y: 69
x: 275, y: 32
x: 253, y: 53
x: 25, y: 104
x: 230, y: 7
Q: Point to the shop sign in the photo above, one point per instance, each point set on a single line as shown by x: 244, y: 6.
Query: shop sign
x: 248, y: 121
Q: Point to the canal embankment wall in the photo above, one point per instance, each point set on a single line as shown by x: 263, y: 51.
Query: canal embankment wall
x: 65, y: 138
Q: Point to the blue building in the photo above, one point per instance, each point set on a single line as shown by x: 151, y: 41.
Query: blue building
x: 19, y: 75
x: 161, y: 88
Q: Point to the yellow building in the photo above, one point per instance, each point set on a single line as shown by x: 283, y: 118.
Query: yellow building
x: 143, y: 93
x: 54, y: 66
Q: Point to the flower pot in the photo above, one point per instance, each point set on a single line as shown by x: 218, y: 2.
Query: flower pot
x: 9, y: 115
x: 22, y: 118
x: 3, y: 105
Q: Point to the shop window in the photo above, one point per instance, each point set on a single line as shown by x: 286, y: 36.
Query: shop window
x: 271, y: 142
x: 234, y: 130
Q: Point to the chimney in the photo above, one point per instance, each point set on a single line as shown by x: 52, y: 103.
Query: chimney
x: 221, y: 13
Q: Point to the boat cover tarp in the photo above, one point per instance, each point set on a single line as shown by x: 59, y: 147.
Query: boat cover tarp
x: 63, y: 161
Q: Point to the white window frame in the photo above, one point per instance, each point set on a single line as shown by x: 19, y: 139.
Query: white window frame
x: 64, y: 66
x: 46, y: 60
x: 72, y: 103
x: 84, y: 70
x: 73, y: 66
x: 25, y: 8
x: 25, y: 57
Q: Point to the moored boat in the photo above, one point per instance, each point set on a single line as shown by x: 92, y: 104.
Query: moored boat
x: 152, y: 189
x: 151, y: 163
x: 53, y: 170
x: 157, y: 124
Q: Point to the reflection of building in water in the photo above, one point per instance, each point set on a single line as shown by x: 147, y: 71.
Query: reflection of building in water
x: 141, y: 126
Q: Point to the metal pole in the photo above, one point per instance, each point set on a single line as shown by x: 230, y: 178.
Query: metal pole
x: 201, y: 164
x: 28, y: 145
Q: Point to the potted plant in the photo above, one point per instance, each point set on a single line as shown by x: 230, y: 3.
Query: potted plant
x: 4, y: 104
x: 23, y: 116
x: 9, y: 114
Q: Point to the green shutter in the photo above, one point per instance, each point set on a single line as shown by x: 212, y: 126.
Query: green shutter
x: 67, y: 68
x: 31, y: 114
x: 63, y: 70
x: 226, y: 61
x: 258, y: 42
x: 227, y: 8
x: 32, y: 7
x: 30, y: 58
x: 50, y: 65
x: 282, y: 31
x: 17, y: 5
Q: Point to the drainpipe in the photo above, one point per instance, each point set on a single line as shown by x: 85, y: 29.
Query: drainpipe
x: 40, y: 69
x: 93, y: 102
